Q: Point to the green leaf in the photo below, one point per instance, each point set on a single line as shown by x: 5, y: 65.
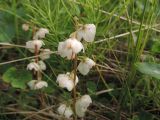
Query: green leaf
x: 7, y: 32
x: 8, y: 75
x: 17, y: 78
x: 151, y: 69
x: 156, y: 47
x: 91, y: 87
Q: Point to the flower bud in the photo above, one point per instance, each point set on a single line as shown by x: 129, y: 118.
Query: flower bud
x: 25, y: 27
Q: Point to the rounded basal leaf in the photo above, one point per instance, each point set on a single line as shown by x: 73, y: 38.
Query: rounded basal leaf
x: 8, y: 75
x: 151, y: 69
x: 17, y: 78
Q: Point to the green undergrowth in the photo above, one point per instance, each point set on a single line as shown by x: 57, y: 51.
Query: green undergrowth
x: 126, y: 46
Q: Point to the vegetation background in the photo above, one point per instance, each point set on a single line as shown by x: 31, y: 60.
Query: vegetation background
x: 124, y: 85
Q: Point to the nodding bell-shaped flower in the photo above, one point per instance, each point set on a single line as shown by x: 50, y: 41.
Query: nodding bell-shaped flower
x: 45, y: 54
x: 86, y: 32
x: 25, y: 27
x: 42, y: 65
x: 33, y: 66
x: 41, y: 33
x: 69, y: 48
x: 36, y: 66
x: 35, y: 84
x: 67, y: 81
x: 33, y: 43
x: 82, y: 104
x: 64, y: 110
x: 85, y: 66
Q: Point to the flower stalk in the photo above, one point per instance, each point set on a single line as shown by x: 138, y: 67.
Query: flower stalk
x: 38, y: 76
x: 74, y: 88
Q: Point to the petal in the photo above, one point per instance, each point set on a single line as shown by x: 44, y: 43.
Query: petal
x: 82, y: 105
x: 42, y: 65
x: 40, y: 85
x: 90, y: 62
x: 83, y: 68
x: 79, y: 34
x: 62, y: 49
x: 39, y: 43
x: 64, y: 110
x: 45, y: 54
x: 65, y: 81
x: 89, y: 32
x: 76, y: 46
x: 41, y: 33
x: 30, y: 46
x: 33, y: 66
x: 31, y: 84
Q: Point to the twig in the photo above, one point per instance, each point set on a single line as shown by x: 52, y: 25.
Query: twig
x: 120, y: 35
x: 103, y: 91
x: 26, y: 58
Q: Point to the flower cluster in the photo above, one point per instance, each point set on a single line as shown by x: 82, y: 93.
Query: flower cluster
x: 34, y: 46
x: 69, y: 49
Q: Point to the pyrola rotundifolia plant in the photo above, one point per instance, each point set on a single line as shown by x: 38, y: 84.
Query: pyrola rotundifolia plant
x: 69, y: 49
x: 37, y: 65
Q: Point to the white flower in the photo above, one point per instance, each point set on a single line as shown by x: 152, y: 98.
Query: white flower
x: 69, y: 48
x: 32, y: 44
x: 67, y: 81
x: 35, y: 84
x: 40, y: 84
x: 33, y: 66
x: 31, y: 84
x: 25, y: 27
x: 36, y: 66
x: 82, y: 104
x: 45, y: 54
x: 87, y: 32
x: 64, y: 110
x: 42, y: 65
x: 85, y: 66
x: 41, y: 33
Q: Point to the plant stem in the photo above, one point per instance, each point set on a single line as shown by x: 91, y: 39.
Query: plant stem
x: 74, y: 88
x: 36, y: 60
x: 38, y: 75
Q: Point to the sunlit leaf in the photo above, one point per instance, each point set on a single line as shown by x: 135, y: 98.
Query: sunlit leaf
x: 151, y: 69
